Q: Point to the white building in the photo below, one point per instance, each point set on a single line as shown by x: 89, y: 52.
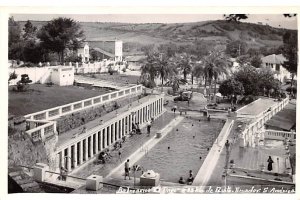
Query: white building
x: 274, y: 62
x: 62, y: 76
x: 84, y: 53
x: 108, y: 49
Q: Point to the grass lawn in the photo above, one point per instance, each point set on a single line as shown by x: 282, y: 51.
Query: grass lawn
x: 40, y: 97
x: 118, y: 78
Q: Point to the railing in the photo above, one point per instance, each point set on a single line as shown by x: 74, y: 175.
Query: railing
x: 43, y: 131
x: 110, y: 121
x: 248, y: 135
x: 66, y: 109
x: 279, y: 135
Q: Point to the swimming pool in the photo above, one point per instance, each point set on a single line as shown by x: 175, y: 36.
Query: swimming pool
x: 192, y: 141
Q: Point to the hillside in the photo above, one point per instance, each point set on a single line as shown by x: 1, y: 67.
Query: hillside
x: 221, y: 32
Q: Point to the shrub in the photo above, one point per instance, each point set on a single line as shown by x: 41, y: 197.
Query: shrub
x: 291, y: 89
x: 248, y: 99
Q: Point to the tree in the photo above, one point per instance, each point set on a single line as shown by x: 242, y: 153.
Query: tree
x: 29, y: 31
x: 236, y: 48
x: 157, y: 65
x: 59, y: 34
x: 256, y: 61
x: 235, y: 17
x: 249, y: 77
x: 184, y: 64
x: 267, y: 82
x: 14, y: 31
x: 231, y: 87
x: 12, y: 76
x: 215, y: 64
x: 290, y: 50
x: 199, y: 72
x: 15, y: 43
x: 32, y: 51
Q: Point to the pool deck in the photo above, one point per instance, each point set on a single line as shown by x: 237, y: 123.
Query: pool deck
x: 247, y: 158
x: 138, y: 154
x: 256, y: 107
x: 71, y: 134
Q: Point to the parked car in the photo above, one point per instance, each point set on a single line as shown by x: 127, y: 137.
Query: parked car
x: 185, y: 96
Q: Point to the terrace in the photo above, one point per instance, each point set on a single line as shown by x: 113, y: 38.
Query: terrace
x: 257, y: 107
x: 40, y: 97
x: 71, y: 134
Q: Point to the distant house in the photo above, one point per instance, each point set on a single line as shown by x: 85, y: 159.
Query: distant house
x: 135, y: 62
x: 108, y: 49
x: 84, y: 53
x: 274, y: 62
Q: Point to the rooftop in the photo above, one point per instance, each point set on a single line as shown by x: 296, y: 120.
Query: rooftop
x: 40, y: 97
x: 285, y: 119
x: 275, y: 59
x: 257, y: 107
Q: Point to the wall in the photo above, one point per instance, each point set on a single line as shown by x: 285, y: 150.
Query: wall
x: 250, y: 136
x: 36, y: 74
x: 119, y: 50
x: 279, y: 135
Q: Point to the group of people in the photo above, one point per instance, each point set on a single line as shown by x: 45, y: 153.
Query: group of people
x: 104, y: 156
x: 189, y: 180
x: 136, y: 128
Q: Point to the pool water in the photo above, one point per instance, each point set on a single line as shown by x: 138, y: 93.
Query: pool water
x: 185, y: 150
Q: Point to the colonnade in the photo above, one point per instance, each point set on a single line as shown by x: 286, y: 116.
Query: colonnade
x: 76, y: 153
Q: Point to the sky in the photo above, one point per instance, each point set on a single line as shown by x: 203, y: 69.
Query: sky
x: 276, y: 20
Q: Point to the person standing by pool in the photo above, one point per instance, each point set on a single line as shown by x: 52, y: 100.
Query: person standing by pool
x: 120, y: 155
x: 227, y: 145
x: 148, y: 128
x: 191, y: 178
x: 127, y: 169
x: 270, y: 163
x: 181, y: 181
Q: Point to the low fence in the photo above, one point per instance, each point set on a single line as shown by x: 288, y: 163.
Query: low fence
x: 279, y: 135
x: 41, y: 126
x: 66, y: 109
x: 249, y: 136
x: 42, y: 132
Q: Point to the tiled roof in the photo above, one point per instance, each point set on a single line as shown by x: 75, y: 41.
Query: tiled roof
x: 275, y: 59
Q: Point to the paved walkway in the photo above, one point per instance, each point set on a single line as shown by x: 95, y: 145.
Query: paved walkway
x: 248, y: 158
x: 71, y: 134
x: 132, y: 144
x: 257, y: 107
x: 99, y: 83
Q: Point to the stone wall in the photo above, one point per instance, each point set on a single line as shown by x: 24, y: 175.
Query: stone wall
x: 77, y: 119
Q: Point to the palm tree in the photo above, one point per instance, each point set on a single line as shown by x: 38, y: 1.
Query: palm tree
x: 215, y: 64
x: 184, y: 64
x: 157, y: 65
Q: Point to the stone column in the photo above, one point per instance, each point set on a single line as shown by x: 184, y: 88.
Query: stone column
x: 75, y: 155
x: 92, y: 146
x: 103, y: 138
x: 86, y: 149
x: 96, y: 143
x: 108, y: 136
x: 112, y: 136
x: 81, y: 152
x: 62, y: 164
x: 69, y: 160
